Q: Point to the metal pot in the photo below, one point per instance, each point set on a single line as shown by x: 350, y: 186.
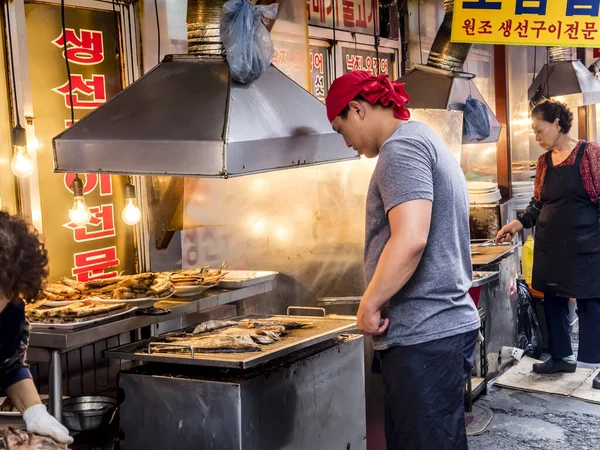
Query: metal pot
x: 88, y: 412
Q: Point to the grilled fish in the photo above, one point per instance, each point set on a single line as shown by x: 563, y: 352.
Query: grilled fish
x: 289, y: 324
x: 259, y: 336
x: 213, y: 325
x: 215, y: 344
x: 22, y: 440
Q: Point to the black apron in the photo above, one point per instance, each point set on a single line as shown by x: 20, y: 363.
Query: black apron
x: 566, y: 259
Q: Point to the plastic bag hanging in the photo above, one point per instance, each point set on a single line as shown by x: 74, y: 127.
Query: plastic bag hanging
x: 529, y: 334
x: 476, y: 122
x: 248, y: 45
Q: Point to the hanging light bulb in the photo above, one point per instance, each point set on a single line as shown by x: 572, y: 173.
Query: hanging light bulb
x: 21, y: 164
x: 131, y: 213
x: 79, y: 213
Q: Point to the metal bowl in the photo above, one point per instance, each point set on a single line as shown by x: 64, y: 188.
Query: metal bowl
x: 88, y: 412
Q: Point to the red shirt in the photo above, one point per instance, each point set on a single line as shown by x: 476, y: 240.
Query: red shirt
x: 590, y: 170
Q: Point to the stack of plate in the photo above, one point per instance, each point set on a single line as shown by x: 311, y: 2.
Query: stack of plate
x: 522, y: 193
x: 483, y: 192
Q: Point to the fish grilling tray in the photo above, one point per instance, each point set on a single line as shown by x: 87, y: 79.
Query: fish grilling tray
x: 322, y: 329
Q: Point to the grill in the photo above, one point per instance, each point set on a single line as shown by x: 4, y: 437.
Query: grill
x: 323, y: 329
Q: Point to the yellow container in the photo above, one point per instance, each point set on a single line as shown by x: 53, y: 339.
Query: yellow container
x: 527, y: 259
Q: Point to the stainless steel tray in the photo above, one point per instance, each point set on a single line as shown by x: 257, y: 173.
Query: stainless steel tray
x: 487, y: 254
x: 237, y: 279
x: 325, y: 328
x: 486, y: 277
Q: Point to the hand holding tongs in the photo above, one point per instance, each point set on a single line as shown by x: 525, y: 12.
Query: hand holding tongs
x: 484, y: 243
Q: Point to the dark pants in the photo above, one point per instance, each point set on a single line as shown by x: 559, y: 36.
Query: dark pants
x: 424, y: 393
x: 559, y: 337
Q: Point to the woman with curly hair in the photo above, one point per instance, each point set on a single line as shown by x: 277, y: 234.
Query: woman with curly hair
x: 566, y: 261
x: 23, y: 269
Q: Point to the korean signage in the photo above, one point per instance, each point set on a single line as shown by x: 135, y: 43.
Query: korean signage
x: 319, y: 71
x: 103, y: 247
x: 292, y: 59
x: 561, y: 23
x: 359, y: 16
x: 356, y: 59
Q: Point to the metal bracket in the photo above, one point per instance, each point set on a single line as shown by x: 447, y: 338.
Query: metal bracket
x: 306, y: 308
x: 164, y: 344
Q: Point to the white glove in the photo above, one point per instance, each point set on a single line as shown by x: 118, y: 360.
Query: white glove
x: 39, y: 421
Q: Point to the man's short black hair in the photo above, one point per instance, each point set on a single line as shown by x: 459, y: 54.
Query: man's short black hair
x: 346, y: 110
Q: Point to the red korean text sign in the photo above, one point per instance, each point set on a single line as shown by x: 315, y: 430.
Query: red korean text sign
x: 561, y: 23
x: 359, y: 16
x: 103, y: 247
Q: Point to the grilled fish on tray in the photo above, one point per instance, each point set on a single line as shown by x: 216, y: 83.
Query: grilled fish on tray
x: 246, y: 335
x: 215, y: 343
x: 126, y: 287
x: 202, y: 276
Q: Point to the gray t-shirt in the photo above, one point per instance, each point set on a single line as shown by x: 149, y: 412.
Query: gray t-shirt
x: 415, y: 164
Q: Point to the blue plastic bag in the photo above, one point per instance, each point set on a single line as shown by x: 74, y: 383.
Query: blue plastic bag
x: 476, y: 123
x: 248, y: 45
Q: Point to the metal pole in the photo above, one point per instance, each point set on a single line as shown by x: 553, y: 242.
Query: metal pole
x: 55, y: 394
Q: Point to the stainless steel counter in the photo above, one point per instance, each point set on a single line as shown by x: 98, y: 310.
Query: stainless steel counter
x: 310, y: 399
x: 47, y: 345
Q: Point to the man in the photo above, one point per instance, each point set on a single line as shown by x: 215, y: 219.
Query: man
x: 417, y: 262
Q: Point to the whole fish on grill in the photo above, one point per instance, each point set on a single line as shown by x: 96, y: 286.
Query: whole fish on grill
x: 289, y: 324
x: 21, y: 440
x: 212, y: 325
x: 213, y: 344
x: 263, y: 335
x: 259, y: 336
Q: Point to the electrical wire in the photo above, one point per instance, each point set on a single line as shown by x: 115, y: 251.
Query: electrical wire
x: 157, y: 28
x: 132, y: 60
x: 12, y: 66
x: 419, y: 19
x: 68, y: 66
x: 375, y: 37
x: 117, y: 16
x: 334, y: 43
x: 534, y: 63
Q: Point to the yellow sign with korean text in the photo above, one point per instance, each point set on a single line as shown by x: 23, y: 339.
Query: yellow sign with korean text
x: 556, y: 23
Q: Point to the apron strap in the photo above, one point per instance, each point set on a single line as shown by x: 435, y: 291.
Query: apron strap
x: 580, y: 153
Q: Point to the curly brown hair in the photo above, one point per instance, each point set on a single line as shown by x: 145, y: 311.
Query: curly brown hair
x: 23, y: 259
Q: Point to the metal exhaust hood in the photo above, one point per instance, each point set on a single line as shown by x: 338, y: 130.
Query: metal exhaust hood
x: 566, y: 79
x: 187, y: 117
x: 441, y: 84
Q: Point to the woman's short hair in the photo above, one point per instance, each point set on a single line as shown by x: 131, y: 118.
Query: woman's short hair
x: 23, y: 259
x: 550, y: 110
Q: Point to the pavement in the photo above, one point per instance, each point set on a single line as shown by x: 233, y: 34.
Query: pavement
x: 532, y: 421
x: 524, y: 421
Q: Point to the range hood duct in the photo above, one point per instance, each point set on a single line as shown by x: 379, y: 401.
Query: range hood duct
x: 187, y: 117
x: 566, y: 79
x: 442, y: 84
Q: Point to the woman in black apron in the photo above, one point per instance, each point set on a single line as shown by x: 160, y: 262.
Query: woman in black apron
x: 566, y: 261
x: 23, y: 264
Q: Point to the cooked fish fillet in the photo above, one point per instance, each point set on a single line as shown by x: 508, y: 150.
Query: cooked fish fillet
x: 215, y: 344
x: 73, y: 283
x: 61, y: 289
x: 212, y: 325
x: 78, y: 309
x: 256, y: 335
x: 97, y: 284
x: 289, y: 324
